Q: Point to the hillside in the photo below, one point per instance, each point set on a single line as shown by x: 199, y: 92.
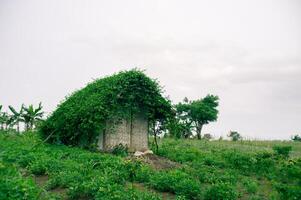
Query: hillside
x: 193, y: 170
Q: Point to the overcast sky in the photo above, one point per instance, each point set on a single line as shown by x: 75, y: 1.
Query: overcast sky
x: 248, y: 52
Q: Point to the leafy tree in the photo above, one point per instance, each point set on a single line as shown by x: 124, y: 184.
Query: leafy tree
x: 234, y: 135
x: 156, y: 128
x: 17, y: 116
x: 199, y: 112
x: 177, y: 128
x: 32, y: 115
x: 296, y: 138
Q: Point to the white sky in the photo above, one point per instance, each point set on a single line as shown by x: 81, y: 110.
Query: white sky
x: 247, y: 52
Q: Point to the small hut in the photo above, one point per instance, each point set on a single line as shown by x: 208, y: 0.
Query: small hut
x: 108, y: 112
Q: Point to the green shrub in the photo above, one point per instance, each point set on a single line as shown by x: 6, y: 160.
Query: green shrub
x: 143, y: 174
x: 221, y: 191
x: 118, y: 192
x: 14, y: 187
x: 120, y: 150
x: 176, y: 182
x: 251, y: 186
x: 282, y: 151
x: 288, y: 192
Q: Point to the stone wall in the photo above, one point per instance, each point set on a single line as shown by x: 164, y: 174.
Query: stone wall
x: 139, y: 134
x: 117, y: 132
x: 132, y: 134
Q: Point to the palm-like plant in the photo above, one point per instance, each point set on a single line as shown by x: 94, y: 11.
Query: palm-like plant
x: 32, y: 115
x: 1, y: 119
x: 5, y: 121
x: 17, y: 116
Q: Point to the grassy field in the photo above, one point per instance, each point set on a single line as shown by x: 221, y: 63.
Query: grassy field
x: 184, y: 169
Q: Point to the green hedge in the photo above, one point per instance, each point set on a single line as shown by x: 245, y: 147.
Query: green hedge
x: 82, y: 116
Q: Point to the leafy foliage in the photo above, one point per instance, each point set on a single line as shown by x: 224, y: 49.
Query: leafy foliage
x: 82, y: 116
x: 17, y: 116
x: 282, y: 150
x: 199, y: 112
x: 81, y: 173
x: 13, y: 186
x: 296, y: 138
x: 120, y: 150
x: 31, y: 115
x: 231, y: 170
x: 234, y: 135
x: 221, y: 191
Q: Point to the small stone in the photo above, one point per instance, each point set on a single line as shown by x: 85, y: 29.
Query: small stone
x: 138, y: 153
x: 148, y: 152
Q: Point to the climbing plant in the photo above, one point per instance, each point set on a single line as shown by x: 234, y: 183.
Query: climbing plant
x: 82, y: 116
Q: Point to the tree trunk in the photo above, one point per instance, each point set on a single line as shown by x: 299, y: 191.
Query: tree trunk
x: 18, y: 127
x: 199, y: 130
x: 155, y: 137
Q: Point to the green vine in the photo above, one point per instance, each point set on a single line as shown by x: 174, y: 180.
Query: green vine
x: 82, y: 116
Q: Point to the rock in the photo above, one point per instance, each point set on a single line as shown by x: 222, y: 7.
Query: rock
x: 138, y: 153
x: 148, y: 152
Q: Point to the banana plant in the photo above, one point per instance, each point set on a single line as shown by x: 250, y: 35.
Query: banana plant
x: 32, y: 115
x: 1, y: 119
x: 5, y: 121
x: 17, y: 116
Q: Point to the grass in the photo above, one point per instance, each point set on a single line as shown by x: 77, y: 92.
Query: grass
x: 209, y: 170
x: 245, y: 169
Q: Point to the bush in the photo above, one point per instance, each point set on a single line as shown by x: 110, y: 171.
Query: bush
x: 14, y: 186
x: 251, y: 186
x: 282, y: 151
x: 288, y: 192
x: 176, y: 182
x: 221, y: 191
x: 120, y: 150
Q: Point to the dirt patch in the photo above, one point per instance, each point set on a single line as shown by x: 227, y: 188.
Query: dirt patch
x: 143, y: 188
x: 60, y: 191
x: 41, y: 180
x: 158, y: 163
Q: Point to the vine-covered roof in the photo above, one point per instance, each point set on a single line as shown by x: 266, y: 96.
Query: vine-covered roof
x: 82, y: 116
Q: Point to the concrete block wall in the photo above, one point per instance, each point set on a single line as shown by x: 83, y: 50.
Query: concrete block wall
x: 131, y: 133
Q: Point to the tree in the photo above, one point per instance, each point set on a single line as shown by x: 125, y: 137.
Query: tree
x: 4, y: 120
x: 32, y: 115
x: 296, y: 138
x: 17, y: 116
x: 199, y: 112
x: 156, y: 128
x: 159, y: 120
x: 178, y: 128
x: 234, y: 135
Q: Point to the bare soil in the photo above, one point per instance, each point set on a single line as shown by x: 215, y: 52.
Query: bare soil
x: 157, y: 162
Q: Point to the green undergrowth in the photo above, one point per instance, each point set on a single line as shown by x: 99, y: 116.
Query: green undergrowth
x: 239, y: 170
x: 82, y: 173
x: 206, y: 171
